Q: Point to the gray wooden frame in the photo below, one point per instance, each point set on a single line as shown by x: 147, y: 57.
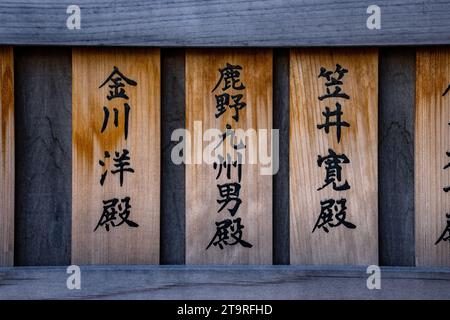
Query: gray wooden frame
x: 230, y: 23
x: 223, y: 282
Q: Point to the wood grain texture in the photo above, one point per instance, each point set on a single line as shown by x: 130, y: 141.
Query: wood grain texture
x: 396, y: 156
x: 432, y: 141
x: 341, y: 245
x: 6, y: 157
x: 43, y: 105
x: 123, y: 243
x: 219, y: 23
x: 201, y: 185
x: 224, y: 282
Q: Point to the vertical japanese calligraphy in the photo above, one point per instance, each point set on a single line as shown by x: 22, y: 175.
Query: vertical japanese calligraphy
x: 6, y: 157
x: 228, y: 201
x: 333, y: 156
x: 116, y: 156
x: 432, y: 157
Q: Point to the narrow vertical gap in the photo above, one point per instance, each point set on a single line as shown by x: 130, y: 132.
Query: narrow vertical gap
x: 43, y: 130
x: 397, y: 67
x: 281, y: 178
x: 173, y: 220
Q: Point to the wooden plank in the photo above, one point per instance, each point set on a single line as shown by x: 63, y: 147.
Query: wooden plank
x: 280, y: 181
x: 125, y: 230
x: 224, y: 282
x: 173, y: 213
x: 225, y: 23
x: 396, y: 156
x: 334, y: 219
x: 6, y: 157
x: 432, y: 143
x: 202, y: 180
x: 43, y: 156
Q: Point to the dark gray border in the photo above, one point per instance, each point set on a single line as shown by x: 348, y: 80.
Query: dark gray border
x: 223, y: 282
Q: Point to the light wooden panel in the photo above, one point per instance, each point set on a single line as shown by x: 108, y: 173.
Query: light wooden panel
x: 341, y: 245
x: 202, y: 74
x: 432, y: 141
x: 6, y: 157
x: 122, y: 244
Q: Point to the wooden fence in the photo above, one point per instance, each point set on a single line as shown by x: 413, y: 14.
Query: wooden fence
x: 397, y: 155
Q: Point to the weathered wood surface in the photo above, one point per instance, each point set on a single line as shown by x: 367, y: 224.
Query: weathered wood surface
x: 202, y: 208
x: 136, y: 240
x: 43, y: 156
x: 223, y: 282
x: 311, y: 243
x: 432, y: 142
x: 396, y: 156
x: 6, y: 156
x: 225, y: 23
x: 43, y: 109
